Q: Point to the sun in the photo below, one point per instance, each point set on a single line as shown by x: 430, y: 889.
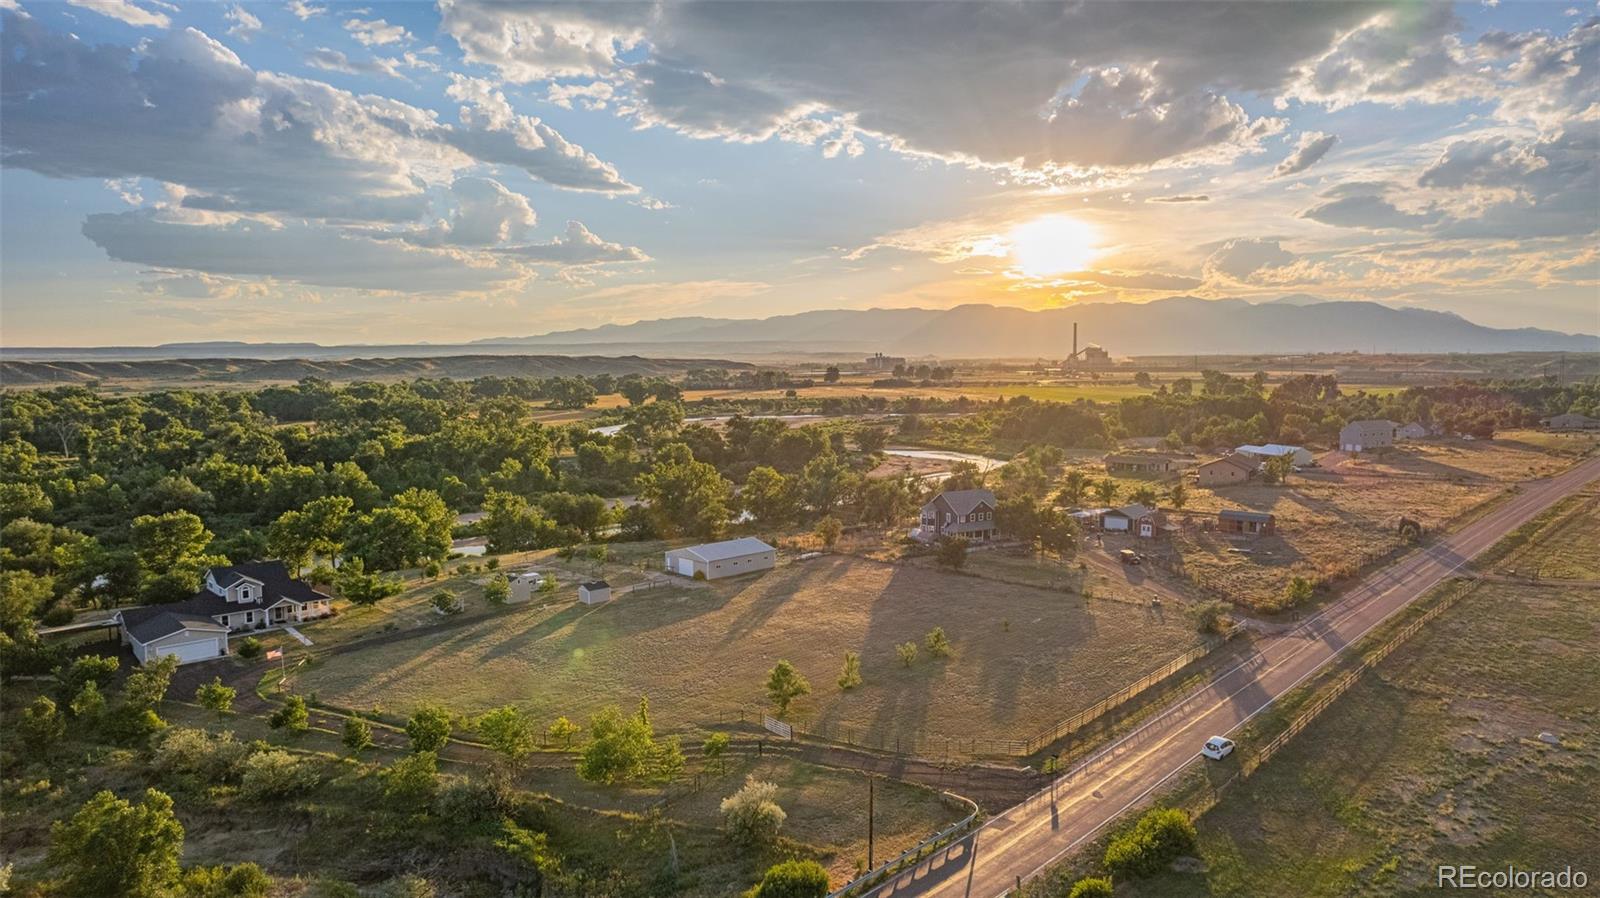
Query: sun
x: 1052, y: 245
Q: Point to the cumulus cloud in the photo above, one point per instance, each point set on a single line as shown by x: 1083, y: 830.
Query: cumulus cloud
x: 301, y: 253
x: 1520, y: 188
x: 578, y: 246
x: 336, y: 61
x: 1309, y: 151
x: 1025, y: 87
x: 1363, y: 204
x: 1407, y: 53
x: 244, y: 24
x: 375, y: 32
x: 594, y: 95
x: 183, y: 109
x: 1242, y: 257
x: 303, y: 10
x: 485, y: 214
x: 125, y: 11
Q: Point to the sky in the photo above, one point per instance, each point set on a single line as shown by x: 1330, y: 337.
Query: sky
x: 442, y: 172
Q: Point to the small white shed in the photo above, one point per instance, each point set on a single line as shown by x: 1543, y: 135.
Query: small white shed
x: 594, y: 592
x: 523, y: 586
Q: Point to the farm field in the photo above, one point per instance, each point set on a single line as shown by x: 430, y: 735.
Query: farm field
x: 1023, y: 657
x: 1433, y: 757
x: 1328, y: 523
x: 1566, y: 548
x: 1509, y: 457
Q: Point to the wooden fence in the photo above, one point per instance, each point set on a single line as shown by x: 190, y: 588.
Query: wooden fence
x: 944, y: 838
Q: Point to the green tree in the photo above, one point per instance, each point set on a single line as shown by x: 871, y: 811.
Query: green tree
x: 952, y: 552
x: 938, y: 644
x: 388, y: 539
x: 112, y: 847
x: 1106, y: 491
x: 170, y: 550
x: 1144, y: 495
x: 89, y: 704
x: 828, y: 530
x: 562, y: 730
x: 1178, y: 495
x: 292, y: 716
x: 41, y: 726
x: 1299, y: 591
x: 428, y: 728
x: 1073, y: 488
x: 769, y: 496
x: 357, y: 735
x: 751, y: 816
x: 497, y: 589
x: 784, y: 685
x: 831, y: 374
x: 146, y: 687
x: 850, y: 675
x: 714, y: 748
x: 619, y: 748
x: 362, y: 588
x: 1161, y: 836
x: 792, y: 879
x: 509, y: 732
x: 512, y: 525
x: 685, y: 496
x: 23, y: 594
x: 214, y: 696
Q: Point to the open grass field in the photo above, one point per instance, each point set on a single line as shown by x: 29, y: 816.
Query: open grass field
x: 1566, y: 548
x: 1432, y: 758
x: 1509, y: 457
x: 1023, y: 657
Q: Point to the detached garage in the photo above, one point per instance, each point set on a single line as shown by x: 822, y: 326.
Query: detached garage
x: 725, y: 559
x: 187, y: 637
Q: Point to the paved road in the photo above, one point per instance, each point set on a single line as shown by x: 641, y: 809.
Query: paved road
x: 1032, y: 835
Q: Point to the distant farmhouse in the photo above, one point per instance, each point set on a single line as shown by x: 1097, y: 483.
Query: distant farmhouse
x: 711, y: 561
x: 252, y: 596
x: 1252, y: 523
x: 1364, y: 436
x: 1142, y: 463
x: 1298, y: 455
x: 880, y: 362
x: 1140, y: 520
x: 965, y: 513
x: 1572, y: 421
x: 1229, y: 470
x: 1413, y: 431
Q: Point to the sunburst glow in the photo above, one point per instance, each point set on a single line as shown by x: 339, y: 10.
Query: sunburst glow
x: 1052, y: 245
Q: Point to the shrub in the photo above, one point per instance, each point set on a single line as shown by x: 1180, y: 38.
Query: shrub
x: 952, y: 552
x: 714, y: 747
x: 445, y: 602
x: 239, y: 881
x: 408, y: 886
x: 357, y: 735
x: 88, y: 704
x: 293, y: 716
x: 275, y: 773
x: 41, y: 725
x: 562, y: 730
x: 464, y: 800
x: 1299, y: 590
x: 784, y: 685
x: 492, y: 564
x: 792, y: 879
x: 212, y: 758
x: 751, y: 815
x: 497, y: 590
x: 938, y: 644
x: 429, y: 728
x: 58, y: 615
x: 907, y: 653
x: 1091, y: 887
x: 1210, y: 617
x: 850, y: 676
x: 509, y: 732
x: 413, y: 778
x: 1161, y: 836
x: 113, y: 847
x: 431, y: 570
x: 249, y: 648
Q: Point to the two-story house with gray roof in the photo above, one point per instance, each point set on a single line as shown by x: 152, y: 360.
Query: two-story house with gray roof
x: 250, y: 596
x: 964, y: 513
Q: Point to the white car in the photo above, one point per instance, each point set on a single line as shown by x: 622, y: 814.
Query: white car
x: 1217, y: 748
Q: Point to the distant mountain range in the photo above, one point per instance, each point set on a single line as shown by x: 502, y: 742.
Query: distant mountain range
x: 1177, y: 326
x: 1182, y: 325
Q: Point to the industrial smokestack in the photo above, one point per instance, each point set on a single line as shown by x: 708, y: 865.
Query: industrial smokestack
x: 1074, y: 339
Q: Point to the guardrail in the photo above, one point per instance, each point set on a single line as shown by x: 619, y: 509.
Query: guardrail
x: 877, y: 875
